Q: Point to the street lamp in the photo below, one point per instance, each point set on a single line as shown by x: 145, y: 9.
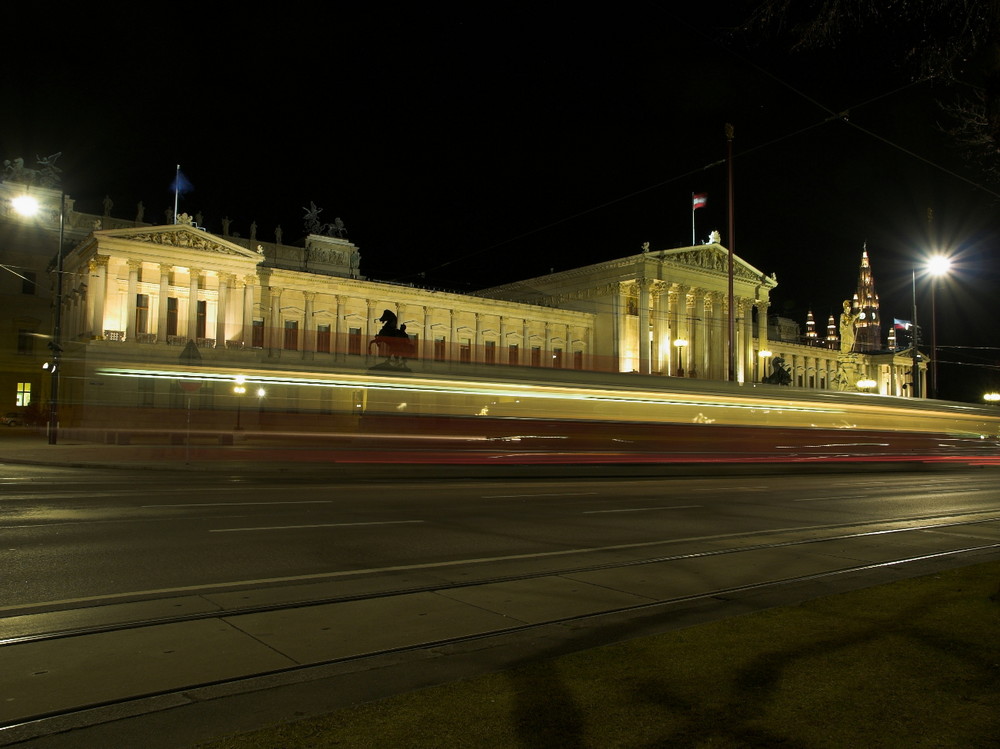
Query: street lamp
x: 27, y: 205
x: 762, y: 355
x: 991, y: 397
x: 937, y: 266
x: 866, y: 384
x: 680, y: 343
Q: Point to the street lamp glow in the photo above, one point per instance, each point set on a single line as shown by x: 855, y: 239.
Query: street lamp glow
x: 866, y: 384
x: 991, y: 397
x: 764, y: 354
x: 25, y: 205
x: 938, y: 265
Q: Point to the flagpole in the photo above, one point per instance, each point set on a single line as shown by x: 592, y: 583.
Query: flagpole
x: 732, y: 250
x: 692, y: 219
x: 177, y: 190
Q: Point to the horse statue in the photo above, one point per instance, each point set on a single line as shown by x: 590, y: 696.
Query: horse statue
x: 393, y: 343
x: 779, y: 375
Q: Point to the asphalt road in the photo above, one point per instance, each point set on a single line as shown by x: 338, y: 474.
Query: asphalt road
x: 76, y: 537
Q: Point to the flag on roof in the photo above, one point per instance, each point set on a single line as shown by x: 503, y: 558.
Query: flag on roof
x: 699, y: 200
x: 901, y: 324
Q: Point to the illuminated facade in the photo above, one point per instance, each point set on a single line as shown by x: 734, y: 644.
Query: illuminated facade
x: 136, y: 293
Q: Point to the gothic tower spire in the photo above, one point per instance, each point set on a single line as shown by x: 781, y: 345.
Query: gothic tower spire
x: 868, y: 328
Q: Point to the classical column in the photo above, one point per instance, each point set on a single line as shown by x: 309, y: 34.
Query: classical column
x: 477, y: 354
x: 161, y: 303
x: 502, y: 357
x: 427, y: 343
x: 338, y: 344
x: 308, y: 344
x: 747, y: 350
x: 450, y: 346
x: 134, y: 266
x: 275, y: 333
x: 192, y: 306
x: 659, y: 361
x: 249, y: 283
x: 99, y: 271
x: 525, y: 350
x: 222, y: 310
x: 370, y: 304
x: 616, y: 327
x: 642, y: 325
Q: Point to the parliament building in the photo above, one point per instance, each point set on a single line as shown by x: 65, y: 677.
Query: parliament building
x: 136, y: 294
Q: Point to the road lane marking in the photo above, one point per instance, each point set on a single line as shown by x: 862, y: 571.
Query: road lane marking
x: 319, y: 525
x: 641, y: 509
x: 560, y: 494
x: 824, y: 499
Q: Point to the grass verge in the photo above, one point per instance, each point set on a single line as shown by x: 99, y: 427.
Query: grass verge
x: 912, y: 664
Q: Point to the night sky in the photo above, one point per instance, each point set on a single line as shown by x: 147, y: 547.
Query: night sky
x: 476, y: 145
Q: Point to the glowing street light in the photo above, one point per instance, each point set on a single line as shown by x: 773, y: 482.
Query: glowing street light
x: 866, y: 384
x: 28, y: 206
x: 937, y: 266
x: 680, y: 343
x: 762, y: 357
x: 991, y: 397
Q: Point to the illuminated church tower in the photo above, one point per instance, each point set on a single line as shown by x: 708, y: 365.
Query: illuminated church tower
x: 811, y: 339
x: 868, y: 325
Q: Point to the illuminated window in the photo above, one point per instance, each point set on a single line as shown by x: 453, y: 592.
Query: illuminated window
x: 323, y: 338
x: 291, y: 342
x: 171, y: 315
x: 23, y: 394
x: 201, y: 322
x: 141, y: 313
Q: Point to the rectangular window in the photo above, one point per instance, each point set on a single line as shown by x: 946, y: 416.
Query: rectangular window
x: 577, y: 360
x: 23, y: 394
x: 28, y: 284
x: 512, y: 355
x: 291, y: 342
x: 490, y: 352
x: 172, y: 315
x: 439, y: 348
x: 201, y: 324
x: 354, y: 341
x: 536, y: 356
x: 465, y: 351
x: 323, y: 338
x: 142, y: 313
x: 557, y: 358
x: 414, y: 345
x: 257, y: 334
x: 25, y: 341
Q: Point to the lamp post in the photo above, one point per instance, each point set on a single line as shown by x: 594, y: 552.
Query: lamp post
x: 27, y: 205
x: 937, y: 266
x: 991, y: 397
x: 761, y: 357
x: 680, y: 343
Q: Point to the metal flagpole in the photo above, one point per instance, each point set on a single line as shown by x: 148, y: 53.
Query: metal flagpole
x: 732, y: 250
x: 692, y: 219
x: 177, y: 190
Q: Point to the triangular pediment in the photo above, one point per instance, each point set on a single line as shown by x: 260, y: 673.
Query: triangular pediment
x: 713, y: 257
x: 181, y: 236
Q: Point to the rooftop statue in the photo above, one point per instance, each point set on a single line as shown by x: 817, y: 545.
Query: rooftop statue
x: 46, y: 175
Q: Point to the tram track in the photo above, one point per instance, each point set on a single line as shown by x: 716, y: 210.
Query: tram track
x: 898, y: 525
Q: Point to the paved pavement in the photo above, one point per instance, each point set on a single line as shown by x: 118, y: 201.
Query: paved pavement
x: 168, y: 685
